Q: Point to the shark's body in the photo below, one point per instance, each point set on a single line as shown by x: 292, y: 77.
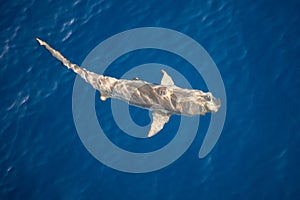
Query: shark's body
x: 163, y: 100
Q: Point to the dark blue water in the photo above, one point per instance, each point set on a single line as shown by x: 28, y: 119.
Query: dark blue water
x: 256, y: 47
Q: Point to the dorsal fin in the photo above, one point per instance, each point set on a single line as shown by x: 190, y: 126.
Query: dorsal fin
x: 166, y: 79
x: 158, y: 121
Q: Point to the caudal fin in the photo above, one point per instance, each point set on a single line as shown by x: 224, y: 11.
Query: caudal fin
x: 88, y: 76
x: 59, y: 56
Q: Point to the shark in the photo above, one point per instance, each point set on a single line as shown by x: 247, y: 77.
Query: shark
x: 164, y: 99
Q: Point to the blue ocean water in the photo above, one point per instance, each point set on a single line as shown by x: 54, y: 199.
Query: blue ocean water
x: 256, y: 47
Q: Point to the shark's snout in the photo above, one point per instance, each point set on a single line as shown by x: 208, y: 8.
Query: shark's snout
x: 214, y: 104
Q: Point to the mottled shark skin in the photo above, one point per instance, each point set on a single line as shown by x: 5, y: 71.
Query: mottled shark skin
x: 163, y: 100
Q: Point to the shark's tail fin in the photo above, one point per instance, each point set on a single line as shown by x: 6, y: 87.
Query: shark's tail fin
x: 60, y: 57
x: 88, y: 76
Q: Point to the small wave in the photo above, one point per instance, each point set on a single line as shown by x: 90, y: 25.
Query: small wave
x: 67, y: 36
x: 4, y: 51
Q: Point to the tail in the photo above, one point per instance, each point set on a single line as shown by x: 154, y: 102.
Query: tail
x: 88, y: 76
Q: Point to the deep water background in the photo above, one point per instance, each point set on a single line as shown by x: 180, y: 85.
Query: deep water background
x: 256, y: 47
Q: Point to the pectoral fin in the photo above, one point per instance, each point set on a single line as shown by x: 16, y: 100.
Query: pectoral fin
x: 166, y: 79
x: 158, y: 121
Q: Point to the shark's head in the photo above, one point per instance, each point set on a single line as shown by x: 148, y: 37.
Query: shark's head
x: 207, y: 102
x: 196, y: 102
